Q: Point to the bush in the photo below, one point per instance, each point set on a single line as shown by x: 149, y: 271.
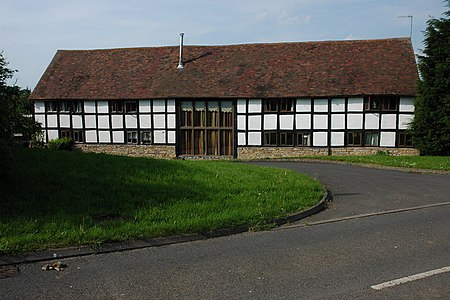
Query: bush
x: 64, y: 143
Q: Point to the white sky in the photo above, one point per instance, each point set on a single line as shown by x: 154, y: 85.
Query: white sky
x: 32, y: 30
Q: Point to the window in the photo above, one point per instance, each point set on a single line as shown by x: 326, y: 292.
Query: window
x: 227, y: 114
x: 130, y: 106
x: 371, y: 138
x: 132, y: 137
x: 270, y: 139
x: 275, y: 105
x: 200, y: 114
x: 213, y: 114
x: 372, y: 104
x: 286, y: 139
x: 405, y: 140
x: 51, y: 106
x: 270, y: 105
x: 389, y: 103
x: 64, y: 133
x: 286, y: 105
x: 303, y: 139
x: 146, y: 137
x: 78, y: 136
x: 65, y: 106
x: 186, y: 114
x: 116, y: 106
x: 354, y: 138
x: 77, y: 106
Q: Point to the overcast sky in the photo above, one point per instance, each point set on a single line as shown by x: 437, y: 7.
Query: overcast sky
x: 32, y: 30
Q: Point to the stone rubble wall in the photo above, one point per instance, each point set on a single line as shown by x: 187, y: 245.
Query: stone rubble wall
x: 154, y: 151
x: 286, y: 152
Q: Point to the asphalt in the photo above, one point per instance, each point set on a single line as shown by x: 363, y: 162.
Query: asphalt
x: 352, y: 192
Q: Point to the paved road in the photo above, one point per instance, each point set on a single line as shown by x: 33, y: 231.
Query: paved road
x: 331, y: 260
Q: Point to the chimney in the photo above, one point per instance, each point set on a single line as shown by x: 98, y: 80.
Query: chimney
x: 180, y: 59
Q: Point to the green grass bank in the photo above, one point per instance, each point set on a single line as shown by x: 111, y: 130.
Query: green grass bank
x: 54, y: 199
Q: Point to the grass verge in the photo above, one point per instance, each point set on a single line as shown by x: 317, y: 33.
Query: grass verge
x: 56, y: 198
x: 439, y: 163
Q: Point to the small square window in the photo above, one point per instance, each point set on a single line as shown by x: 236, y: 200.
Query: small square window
x: 77, y: 106
x: 130, y: 106
x: 303, y: 139
x: 286, y: 139
x: 286, y: 105
x: 78, y: 136
x: 116, y: 106
x: 354, y: 138
x: 51, y: 106
x: 270, y: 139
x: 64, y: 133
x: 371, y: 138
x: 270, y: 105
x: 146, y: 137
x: 372, y: 104
x: 132, y: 137
x: 405, y: 139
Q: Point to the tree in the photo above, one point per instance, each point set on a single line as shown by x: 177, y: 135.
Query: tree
x: 431, y: 125
x: 15, y: 111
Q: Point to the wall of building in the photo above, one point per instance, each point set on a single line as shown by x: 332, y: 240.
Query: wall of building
x: 160, y: 151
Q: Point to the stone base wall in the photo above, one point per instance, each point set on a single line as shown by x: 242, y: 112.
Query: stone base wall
x: 154, y: 151
x: 286, y: 152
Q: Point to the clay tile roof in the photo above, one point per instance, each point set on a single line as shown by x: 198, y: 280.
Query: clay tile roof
x: 307, y: 69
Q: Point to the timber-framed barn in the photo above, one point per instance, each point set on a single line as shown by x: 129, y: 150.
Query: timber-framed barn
x: 234, y: 101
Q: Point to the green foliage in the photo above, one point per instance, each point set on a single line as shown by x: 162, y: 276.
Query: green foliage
x: 61, y: 198
x: 431, y: 125
x: 64, y: 143
x: 383, y: 153
x: 15, y: 109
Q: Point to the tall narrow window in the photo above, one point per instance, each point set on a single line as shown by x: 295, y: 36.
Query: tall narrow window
x: 200, y: 114
x: 77, y: 106
x: 212, y: 142
x: 213, y: 114
x: 227, y: 114
x: 186, y: 114
x: 226, y: 142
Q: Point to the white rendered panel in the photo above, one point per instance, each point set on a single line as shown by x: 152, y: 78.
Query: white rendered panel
x: 77, y: 121
x: 130, y: 121
x: 39, y: 107
x: 404, y: 121
x: 406, y: 104
x: 241, y: 122
x: 144, y: 106
x: 241, y: 139
x: 355, y: 104
x: 387, y: 139
x: 102, y: 107
x: 320, y: 122
x: 118, y: 137
x: 159, y: 106
x: 40, y: 119
x: 337, y: 138
x: 254, y: 122
x: 320, y: 105
x: 117, y: 121
x: 90, y: 121
x: 372, y: 121
x: 171, y: 105
x: 337, y: 121
x: 91, y: 136
x: 254, y: 106
x: 354, y: 121
x: 303, y: 105
x: 171, y: 137
x: 320, y: 139
x: 171, y: 121
x: 338, y: 105
x: 303, y: 121
x: 103, y: 122
x: 159, y: 136
x: 52, y: 134
x: 254, y: 138
x: 64, y: 121
x: 145, y: 121
x: 270, y: 122
x: 52, y: 121
x: 89, y: 107
x: 104, y: 137
x: 286, y: 122
x: 388, y: 121
x: 241, y: 106
x: 159, y: 121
